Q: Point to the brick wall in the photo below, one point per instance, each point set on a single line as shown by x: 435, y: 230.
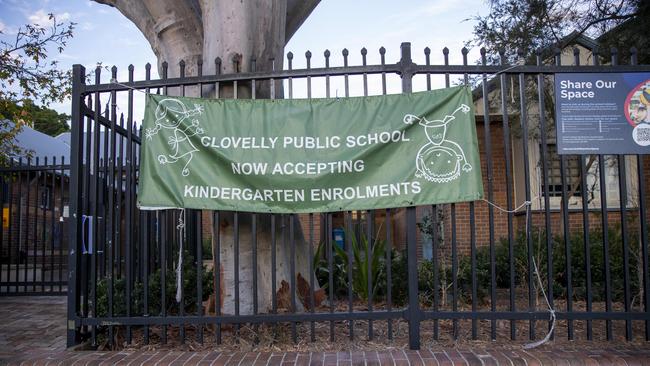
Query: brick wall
x: 30, y: 225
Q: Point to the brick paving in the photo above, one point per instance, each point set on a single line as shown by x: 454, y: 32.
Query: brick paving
x: 32, y: 332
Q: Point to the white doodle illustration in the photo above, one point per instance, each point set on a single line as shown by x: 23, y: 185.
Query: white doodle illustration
x: 440, y: 160
x: 171, y: 115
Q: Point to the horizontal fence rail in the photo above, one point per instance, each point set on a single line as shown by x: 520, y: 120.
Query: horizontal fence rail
x: 560, y: 234
x: 33, y: 236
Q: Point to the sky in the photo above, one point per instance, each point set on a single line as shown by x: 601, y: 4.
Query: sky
x: 103, y: 35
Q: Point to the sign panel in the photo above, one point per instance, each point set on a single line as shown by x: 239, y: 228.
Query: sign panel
x: 310, y: 155
x: 603, y: 113
x: 5, y: 217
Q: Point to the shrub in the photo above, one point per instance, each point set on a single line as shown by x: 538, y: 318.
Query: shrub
x: 559, y: 278
x: 155, y: 292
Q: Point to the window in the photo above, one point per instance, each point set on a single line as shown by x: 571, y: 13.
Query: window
x: 46, y: 198
x: 554, y: 178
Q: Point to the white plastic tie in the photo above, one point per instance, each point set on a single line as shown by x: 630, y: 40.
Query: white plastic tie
x: 179, y: 267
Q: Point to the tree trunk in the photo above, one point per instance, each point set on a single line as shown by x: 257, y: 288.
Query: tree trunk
x: 242, y: 30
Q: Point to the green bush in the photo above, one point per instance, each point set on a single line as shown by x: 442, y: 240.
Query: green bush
x: 560, y: 275
x: 207, y: 249
x: 154, y: 292
x: 368, y: 259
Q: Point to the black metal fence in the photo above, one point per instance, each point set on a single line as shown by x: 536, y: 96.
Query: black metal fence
x: 420, y: 274
x: 33, y: 237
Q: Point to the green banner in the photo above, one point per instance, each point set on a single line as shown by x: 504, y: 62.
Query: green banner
x: 310, y: 155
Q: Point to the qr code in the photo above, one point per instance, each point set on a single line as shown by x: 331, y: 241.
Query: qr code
x: 641, y: 134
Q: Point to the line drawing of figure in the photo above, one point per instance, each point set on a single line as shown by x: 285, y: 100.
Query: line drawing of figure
x: 439, y: 160
x: 171, y: 114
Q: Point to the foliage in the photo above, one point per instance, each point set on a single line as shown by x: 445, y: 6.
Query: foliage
x: 154, y: 291
x: 42, y: 119
x: 559, y: 270
x: 367, y: 260
x: 522, y: 25
x: 27, y: 75
x: 514, y: 25
x: 207, y: 249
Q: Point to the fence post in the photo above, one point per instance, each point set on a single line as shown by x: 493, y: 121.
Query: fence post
x: 78, y: 81
x: 413, y: 313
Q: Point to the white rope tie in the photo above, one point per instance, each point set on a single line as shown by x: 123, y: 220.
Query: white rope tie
x: 526, y: 203
x: 114, y: 81
x: 179, y: 266
x: 551, y: 311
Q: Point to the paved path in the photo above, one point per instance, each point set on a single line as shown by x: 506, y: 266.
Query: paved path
x: 32, y: 332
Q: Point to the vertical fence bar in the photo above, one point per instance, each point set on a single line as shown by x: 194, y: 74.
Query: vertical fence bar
x: 490, y: 195
x: 645, y: 283
x: 541, y: 90
x: 413, y: 313
x: 216, y: 248
x: 292, y: 271
x: 199, y: 273
x: 117, y: 245
x: 162, y: 242
x: 604, y: 222
x: 236, y: 269
x: 311, y: 275
x: 61, y: 222
x: 13, y: 177
x: 185, y: 240
x: 312, y: 299
x: 130, y: 187
x: 506, y: 153
x: 330, y: 268
x: 199, y: 243
x: 370, y: 216
x: 52, y: 203
x: 622, y: 188
x: 274, y: 296
x: 529, y: 244
x: 605, y: 225
x: 76, y: 151
x: 43, y: 201
x: 389, y: 270
x: 89, y: 274
x: 147, y: 237
x: 348, y: 246
x: 567, y: 244
x: 25, y: 247
x: 454, y: 271
x: 35, y: 227
x: 254, y: 254
x: 586, y: 242
x: 644, y: 241
x: 164, y: 239
x: 20, y: 248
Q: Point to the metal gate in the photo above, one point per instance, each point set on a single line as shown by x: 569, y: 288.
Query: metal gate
x: 490, y: 267
x: 34, y: 233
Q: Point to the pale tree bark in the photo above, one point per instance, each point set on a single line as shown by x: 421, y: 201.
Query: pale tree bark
x: 193, y: 30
